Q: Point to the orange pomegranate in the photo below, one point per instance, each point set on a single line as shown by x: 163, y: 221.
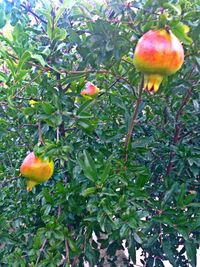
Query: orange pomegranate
x: 90, y: 90
x: 36, y: 170
x: 158, y: 53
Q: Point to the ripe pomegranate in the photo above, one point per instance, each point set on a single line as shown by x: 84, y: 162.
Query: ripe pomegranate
x: 90, y: 90
x: 158, y: 53
x: 36, y: 170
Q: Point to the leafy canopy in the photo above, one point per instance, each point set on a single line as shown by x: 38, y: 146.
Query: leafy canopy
x: 148, y: 195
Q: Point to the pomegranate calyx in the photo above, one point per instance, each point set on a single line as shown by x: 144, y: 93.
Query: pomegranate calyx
x: 152, y: 82
x: 30, y: 184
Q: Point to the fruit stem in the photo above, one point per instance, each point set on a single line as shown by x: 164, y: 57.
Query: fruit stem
x: 167, y: 28
x: 134, y: 117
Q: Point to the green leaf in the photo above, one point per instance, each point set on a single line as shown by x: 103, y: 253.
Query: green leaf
x: 2, y: 15
x: 10, y: 102
x: 23, y: 59
x: 87, y: 125
x: 159, y: 263
x: 54, y: 119
x: 180, y: 30
x: 132, y: 222
x: 11, y: 64
x: 132, y: 250
x: 167, y: 247
x: 191, y: 251
x: 74, y: 37
x: 181, y: 195
x: 29, y: 111
x: 106, y: 171
x: 109, y: 46
x: 59, y: 34
x: 72, y: 244
x: 47, y: 209
x: 141, y: 180
x: 151, y: 241
x: 89, y: 191
x: 48, y: 196
x: 176, y: 8
x: 39, y: 58
x: 2, y: 21
x: 188, y: 199
x: 137, y: 238
x: 85, y: 106
x: 91, y: 254
x: 21, y: 75
x: 169, y: 193
x: 48, y: 108
x: 65, y: 4
x: 124, y: 231
x: 3, y: 77
x: 89, y: 167
x: 3, y: 38
x: 150, y: 262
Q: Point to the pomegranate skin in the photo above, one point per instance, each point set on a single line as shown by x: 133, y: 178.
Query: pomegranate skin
x: 36, y: 170
x: 158, y: 53
x: 90, y: 90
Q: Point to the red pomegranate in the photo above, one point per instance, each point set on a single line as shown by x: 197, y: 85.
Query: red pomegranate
x: 91, y: 89
x: 158, y: 53
x: 36, y: 170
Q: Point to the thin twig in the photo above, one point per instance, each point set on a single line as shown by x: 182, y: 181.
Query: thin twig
x: 40, y: 251
x: 59, y: 213
x: 134, y: 117
x: 86, y: 71
x: 75, y: 261
x: 57, y: 135
x: 67, y: 252
x: 184, y: 102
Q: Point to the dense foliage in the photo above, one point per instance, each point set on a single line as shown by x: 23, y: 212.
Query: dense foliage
x: 101, y: 193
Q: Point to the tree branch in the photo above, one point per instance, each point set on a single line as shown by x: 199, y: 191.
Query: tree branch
x: 67, y: 252
x: 134, y: 117
x: 33, y: 13
x: 184, y: 103
x: 41, y: 250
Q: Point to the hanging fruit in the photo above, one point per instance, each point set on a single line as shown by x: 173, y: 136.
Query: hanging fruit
x: 158, y: 53
x: 36, y: 170
x: 90, y: 89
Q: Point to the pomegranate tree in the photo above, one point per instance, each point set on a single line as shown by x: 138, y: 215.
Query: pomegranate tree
x: 36, y: 170
x: 158, y: 53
